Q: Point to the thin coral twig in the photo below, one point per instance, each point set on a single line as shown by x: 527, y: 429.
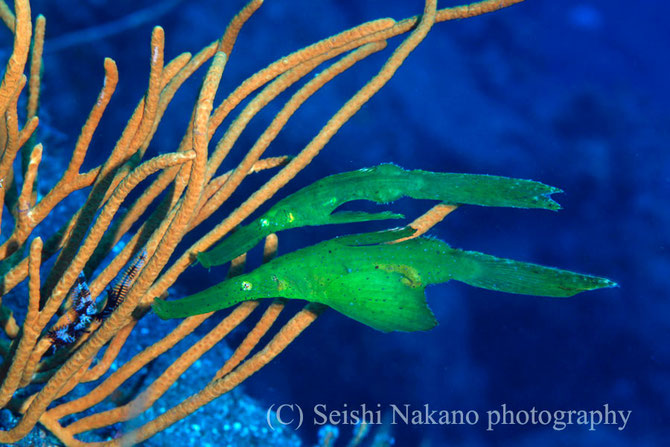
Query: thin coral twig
x: 29, y: 333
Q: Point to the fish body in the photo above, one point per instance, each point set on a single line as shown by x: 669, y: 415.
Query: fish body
x: 316, y: 204
x: 378, y: 283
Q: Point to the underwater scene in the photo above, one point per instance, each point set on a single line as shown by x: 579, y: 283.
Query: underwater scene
x: 334, y: 223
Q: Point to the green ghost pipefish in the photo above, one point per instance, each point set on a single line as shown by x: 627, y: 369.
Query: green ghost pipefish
x: 316, y: 203
x: 379, y: 284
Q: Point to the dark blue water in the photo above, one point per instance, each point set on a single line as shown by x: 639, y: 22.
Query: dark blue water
x: 571, y: 93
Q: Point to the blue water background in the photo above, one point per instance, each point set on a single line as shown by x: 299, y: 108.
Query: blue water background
x: 571, y: 93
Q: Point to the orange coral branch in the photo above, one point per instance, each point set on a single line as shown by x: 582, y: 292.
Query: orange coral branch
x: 428, y: 220
x: 36, y: 67
x: 29, y: 331
x: 7, y: 16
x: 17, y: 61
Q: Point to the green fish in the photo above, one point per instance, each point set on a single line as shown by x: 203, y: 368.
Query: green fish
x: 315, y: 204
x: 377, y: 283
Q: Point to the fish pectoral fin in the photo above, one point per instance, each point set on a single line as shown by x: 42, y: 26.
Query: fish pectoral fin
x: 381, y: 300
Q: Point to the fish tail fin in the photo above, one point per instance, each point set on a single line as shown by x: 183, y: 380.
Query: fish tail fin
x: 506, y: 275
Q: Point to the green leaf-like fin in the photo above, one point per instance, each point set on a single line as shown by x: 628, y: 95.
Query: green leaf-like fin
x: 382, y: 301
x: 316, y: 203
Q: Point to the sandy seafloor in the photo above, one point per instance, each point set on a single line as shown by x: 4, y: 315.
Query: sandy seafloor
x: 570, y: 93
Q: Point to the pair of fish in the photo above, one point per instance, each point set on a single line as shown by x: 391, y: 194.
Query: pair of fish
x: 366, y: 277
